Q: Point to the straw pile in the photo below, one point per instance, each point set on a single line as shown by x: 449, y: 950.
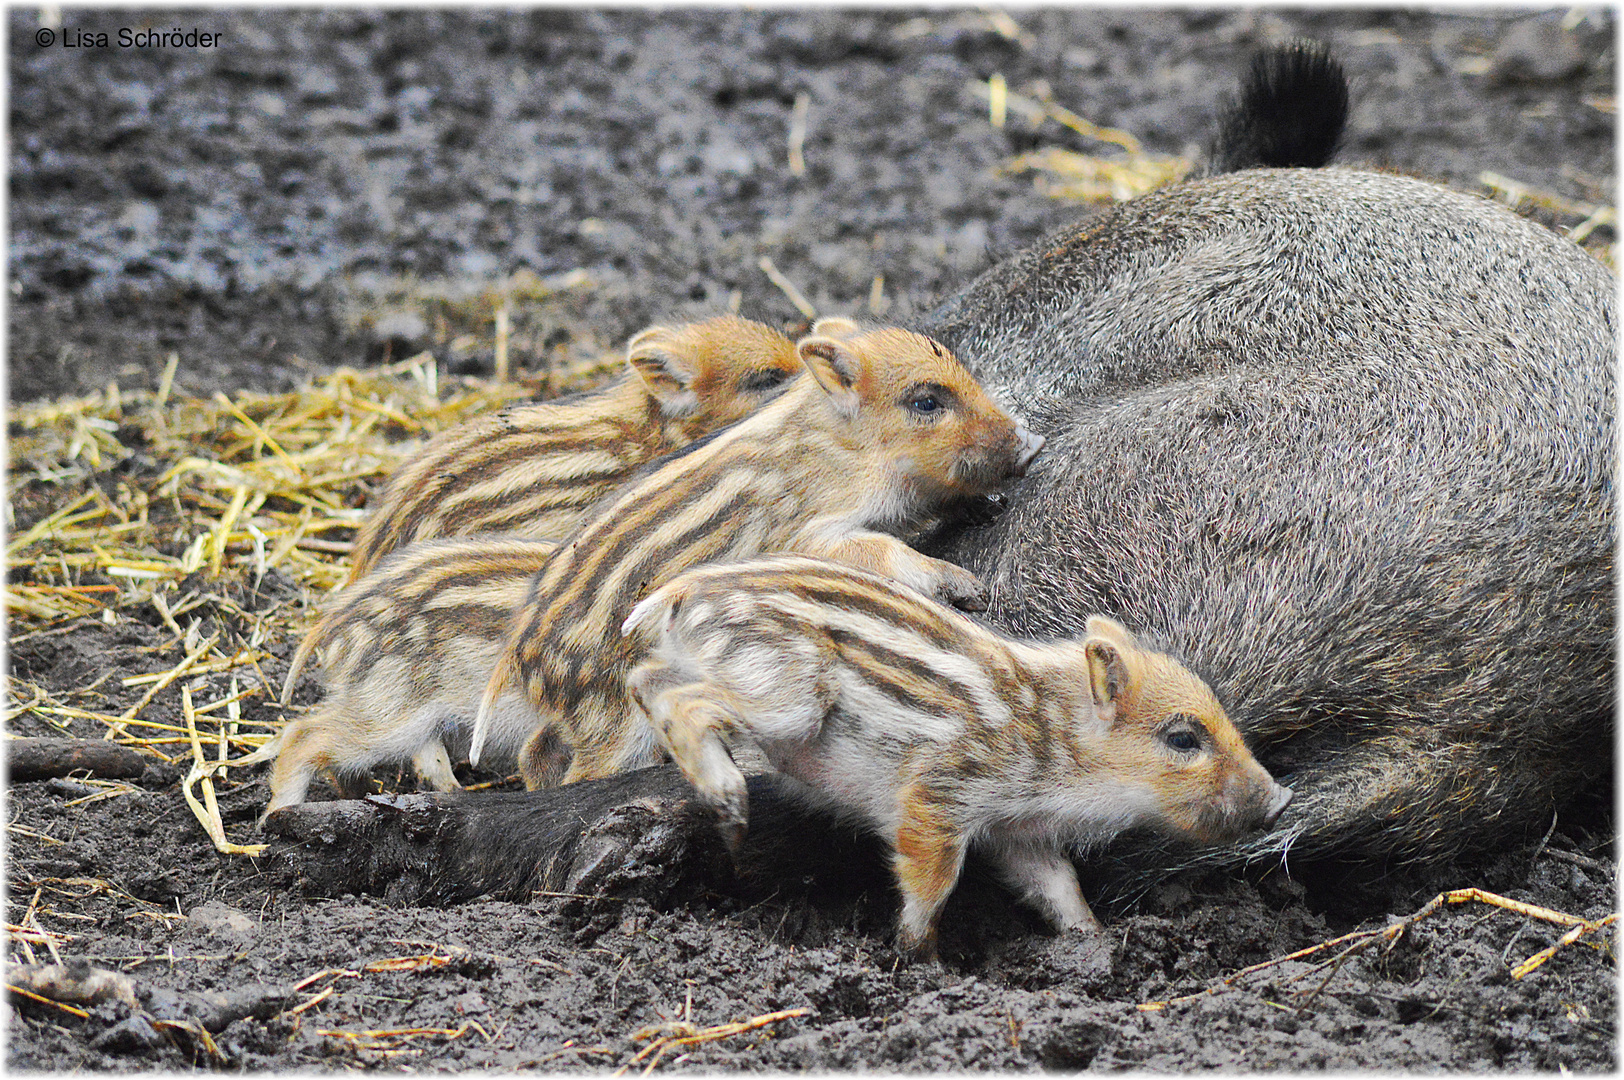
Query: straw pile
x: 218, y: 520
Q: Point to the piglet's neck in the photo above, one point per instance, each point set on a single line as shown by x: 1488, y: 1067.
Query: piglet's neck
x: 799, y: 409
x: 1058, y: 672
x: 804, y: 410
x: 803, y: 429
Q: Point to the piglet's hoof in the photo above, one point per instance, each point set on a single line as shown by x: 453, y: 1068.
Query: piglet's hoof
x: 961, y: 589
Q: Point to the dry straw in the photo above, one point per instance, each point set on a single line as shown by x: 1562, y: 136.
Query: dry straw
x: 1121, y: 170
x: 172, y: 510
x: 682, y: 1033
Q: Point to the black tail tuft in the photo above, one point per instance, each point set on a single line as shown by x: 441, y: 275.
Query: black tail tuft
x: 1292, y: 110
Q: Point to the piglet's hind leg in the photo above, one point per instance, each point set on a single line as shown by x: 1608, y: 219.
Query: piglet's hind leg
x: 1045, y: 879
x: 689, y: 723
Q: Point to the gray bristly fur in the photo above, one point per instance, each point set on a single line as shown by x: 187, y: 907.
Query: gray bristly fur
x: 1343, y: 441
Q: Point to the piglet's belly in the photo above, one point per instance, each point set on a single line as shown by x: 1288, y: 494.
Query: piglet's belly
x: 842, y: 776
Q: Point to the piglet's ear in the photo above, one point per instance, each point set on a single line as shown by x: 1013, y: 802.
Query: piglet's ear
x: 1108, y: 677
x: 1100, y: 626
x: 661, y: 359
x: 835, y: 326
x: 836, y: 367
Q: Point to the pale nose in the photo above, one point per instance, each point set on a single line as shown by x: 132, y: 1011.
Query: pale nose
x: 1277, y: 802
x: 1030, y: 445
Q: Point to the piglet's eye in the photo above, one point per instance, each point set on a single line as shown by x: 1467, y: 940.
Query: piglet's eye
x: 928, y: 399
x: 1182, y: 735
x: 760, y: 381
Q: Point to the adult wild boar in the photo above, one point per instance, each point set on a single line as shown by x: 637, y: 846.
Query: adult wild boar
x: 1343, y: 442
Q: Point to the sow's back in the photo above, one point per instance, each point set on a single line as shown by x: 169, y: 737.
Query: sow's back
x: 1343, y: 442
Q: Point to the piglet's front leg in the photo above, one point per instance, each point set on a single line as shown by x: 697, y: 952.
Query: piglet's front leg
x: 1045, y: 879
x: 886, y: 555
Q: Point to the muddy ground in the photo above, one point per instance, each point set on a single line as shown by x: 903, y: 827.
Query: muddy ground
x: 324, y: 188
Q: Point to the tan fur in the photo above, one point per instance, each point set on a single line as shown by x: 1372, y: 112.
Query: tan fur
x: 936, y: 731
x: 889, y: 428
x: 406, y: 651
x: 534, y: 469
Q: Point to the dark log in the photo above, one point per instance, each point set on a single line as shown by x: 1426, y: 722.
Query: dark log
x: 639, y: 834
x: 43, y: 759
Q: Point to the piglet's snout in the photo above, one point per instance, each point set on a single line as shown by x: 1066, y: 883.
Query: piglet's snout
x: 1279, y: 799
x: 1029, y: 444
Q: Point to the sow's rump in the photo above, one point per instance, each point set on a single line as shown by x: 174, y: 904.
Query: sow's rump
x: 1341, y: 441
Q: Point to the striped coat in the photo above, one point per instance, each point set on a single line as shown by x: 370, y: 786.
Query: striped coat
x: 535, y: 469
x: 935, y: 731
x: 405, y: 653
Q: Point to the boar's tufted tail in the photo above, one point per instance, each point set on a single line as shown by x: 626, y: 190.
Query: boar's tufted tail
x: 1291, y: 112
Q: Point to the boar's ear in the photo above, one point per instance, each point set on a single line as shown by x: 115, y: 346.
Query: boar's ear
x: 665, y: 367
x: 835, y: 326
x: 836, y: 367
x: 1100, y: 626
x: 1108, y: 677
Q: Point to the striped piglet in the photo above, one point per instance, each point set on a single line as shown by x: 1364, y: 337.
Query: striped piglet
x: 936, y: 732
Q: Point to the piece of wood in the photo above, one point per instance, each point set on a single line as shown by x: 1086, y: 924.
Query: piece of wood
x: 74, y: 983
x: 636, y: 834
x: 42, y: 759
x: 77, y: 983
